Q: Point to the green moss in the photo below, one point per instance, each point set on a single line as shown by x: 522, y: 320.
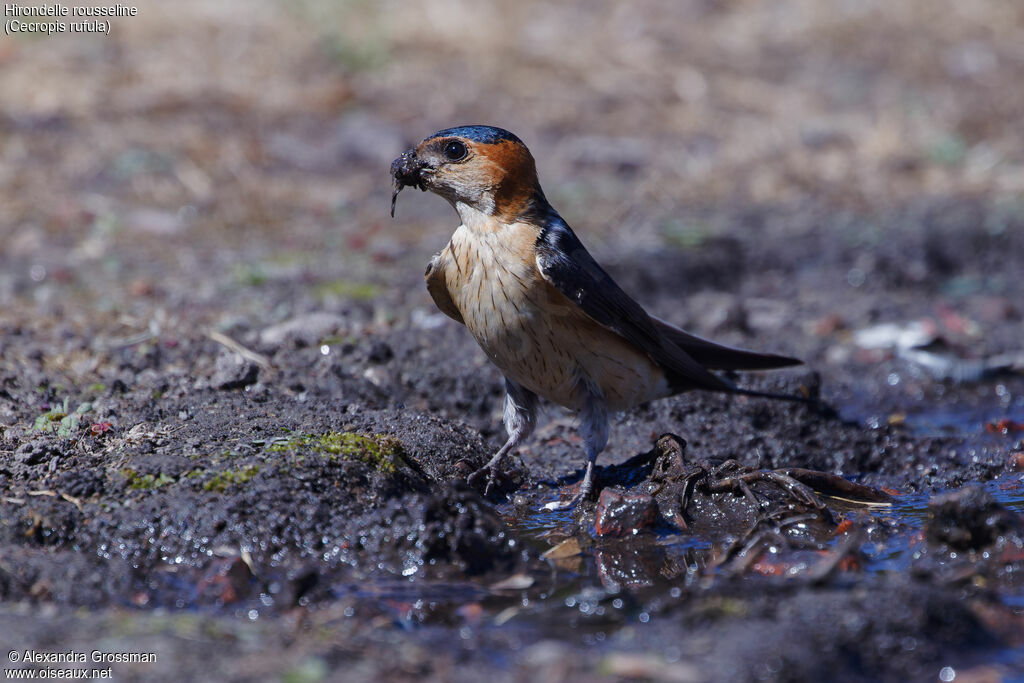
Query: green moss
x: 382, y: 451
x: 334, y: 340
x: 683, y: 235
x: 44, y: 422
x: 145, y: 482
x: 347, y: 289
x: 352, y: 33
x: 308, y: 670
x: 948, y: 150
x: 249, y: 274
x: 221, y: 481
x: 62, y: 421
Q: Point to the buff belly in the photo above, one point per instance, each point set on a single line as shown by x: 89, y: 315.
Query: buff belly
x: 536, y: 336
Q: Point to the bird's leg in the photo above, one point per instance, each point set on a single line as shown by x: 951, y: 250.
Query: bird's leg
x: 594, y: 430
x: 520, y: 419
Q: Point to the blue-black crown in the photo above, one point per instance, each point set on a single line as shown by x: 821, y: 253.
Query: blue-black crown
x: 484, y: 134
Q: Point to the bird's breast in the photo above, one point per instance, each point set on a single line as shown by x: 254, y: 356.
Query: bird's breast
x: 495, y: 283
x: 505, y: 304
x: 535, y: 335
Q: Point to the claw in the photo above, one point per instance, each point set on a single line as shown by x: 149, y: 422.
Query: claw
x: 474, y: 478
x: 559, y: 505
x: 491, y: 477
x: 585, y: 487
x: 491, y: 472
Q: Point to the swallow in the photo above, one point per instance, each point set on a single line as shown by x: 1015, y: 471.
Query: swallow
x: 544, y: 312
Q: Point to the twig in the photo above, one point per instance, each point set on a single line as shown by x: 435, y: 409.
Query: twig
x: 230, y: 343
x: 126, y: 342
x: 77, y: 502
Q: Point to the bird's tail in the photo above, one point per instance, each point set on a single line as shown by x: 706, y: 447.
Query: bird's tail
x: 718, y: 356
x: 713, y: 356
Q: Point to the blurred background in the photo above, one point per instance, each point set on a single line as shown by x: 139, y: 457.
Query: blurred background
x: 227, y: 163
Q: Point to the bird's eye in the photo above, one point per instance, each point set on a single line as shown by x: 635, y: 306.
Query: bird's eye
x: 455, y: 150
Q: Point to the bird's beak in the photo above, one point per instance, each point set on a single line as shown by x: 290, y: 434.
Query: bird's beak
x: 406, y: 171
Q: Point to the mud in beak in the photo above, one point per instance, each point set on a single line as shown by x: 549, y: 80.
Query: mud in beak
x: 406, y: 171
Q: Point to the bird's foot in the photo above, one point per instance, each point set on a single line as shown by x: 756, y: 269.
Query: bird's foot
x: 560, y: 505
x: 581, y: 495
x: 495, y: 479
x: 476, y: 476
x: 492, y: 476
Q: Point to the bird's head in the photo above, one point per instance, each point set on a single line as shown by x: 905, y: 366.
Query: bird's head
x: 476, y: 168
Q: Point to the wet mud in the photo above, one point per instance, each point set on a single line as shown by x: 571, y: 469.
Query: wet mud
x: 303, y: 490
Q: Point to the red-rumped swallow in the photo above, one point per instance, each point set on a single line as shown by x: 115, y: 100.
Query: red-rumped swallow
x: 539, y: 305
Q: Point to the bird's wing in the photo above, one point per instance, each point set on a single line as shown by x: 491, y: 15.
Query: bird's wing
x: 565, y: 263
x: 719, y: 357
x: 438, y: 287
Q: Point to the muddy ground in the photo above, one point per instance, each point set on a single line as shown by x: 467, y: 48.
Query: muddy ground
x: 235, y: 432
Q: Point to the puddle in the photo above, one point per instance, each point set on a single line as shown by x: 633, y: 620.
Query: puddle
x: 640, y: 569
x: 965, y: 422
x: 961, y: 413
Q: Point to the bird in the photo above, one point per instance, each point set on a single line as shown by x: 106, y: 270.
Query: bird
x: 541, y: 308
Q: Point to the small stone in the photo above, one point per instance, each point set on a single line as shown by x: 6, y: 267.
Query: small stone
x: 621, y: 514
x: 1016, y: 461
x: 304, y: 330
x: 233, y: 372
x: 35, y: 452
x: 970, y: 519
x: 568, y: 548
x: 227, y: 580
x: 380, y: 353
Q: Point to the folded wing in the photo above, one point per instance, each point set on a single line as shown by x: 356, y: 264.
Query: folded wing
x: 565, y: 263
x: 438, y: 287
x: 718, y: 356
